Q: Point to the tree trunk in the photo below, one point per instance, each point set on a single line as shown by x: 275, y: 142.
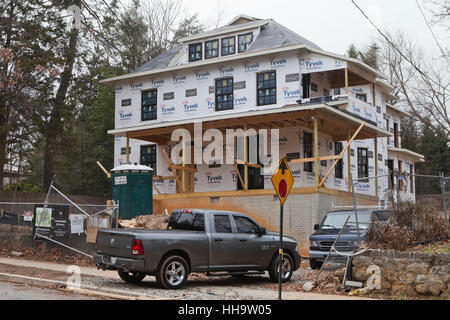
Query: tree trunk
x: 55, y: 126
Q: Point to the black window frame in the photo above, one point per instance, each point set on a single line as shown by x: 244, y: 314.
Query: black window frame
x: 208, y: 50
x: 363, y: 166
x: 123, y: 151
x: 254, y: 231
x: 196, y: 51
x: 217, y: 95
x: 362, y: 95
x: 246, y: 44
x: 268, y: 87
x: 154, y: 106
x: 151, y: 164
x: 229, y: 220
x: 222, y: 46
x: 339, y: 169
x: 308, y: 144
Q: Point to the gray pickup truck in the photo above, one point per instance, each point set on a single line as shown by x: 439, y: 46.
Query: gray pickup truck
x: 214, y: 242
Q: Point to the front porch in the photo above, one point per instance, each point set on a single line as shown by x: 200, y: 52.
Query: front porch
x: 321, y: 119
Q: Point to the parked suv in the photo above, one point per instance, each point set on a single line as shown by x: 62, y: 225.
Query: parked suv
x: 327, y: 232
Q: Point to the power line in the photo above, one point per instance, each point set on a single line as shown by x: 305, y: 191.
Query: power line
x: 395, y: 47
x: 432, y: 32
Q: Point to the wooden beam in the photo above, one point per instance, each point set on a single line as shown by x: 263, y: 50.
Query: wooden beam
x: 342, y: 154
x: 156, y: 188
x: 316, y: 150
x: 349, y: 162
x: 108, y: 174
x: 376, y: 166
x: 189, y: 169
x: 180, y: 185
x: 245, y: 157
x: 346, y: 80
x: 237, y: 170
x: 245, y: 163
x: 157, y: 178
x: 306, y: 160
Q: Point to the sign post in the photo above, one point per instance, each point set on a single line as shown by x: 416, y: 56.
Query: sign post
x: 282, y: 181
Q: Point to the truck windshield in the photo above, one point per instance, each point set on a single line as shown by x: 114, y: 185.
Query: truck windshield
x: 193, y: 221
x: 336, y: 220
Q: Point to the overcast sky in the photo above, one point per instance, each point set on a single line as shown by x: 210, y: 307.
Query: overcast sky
x: 332, y: 24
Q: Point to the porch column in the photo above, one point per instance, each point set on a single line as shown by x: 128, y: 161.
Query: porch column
x: 346, y: 80
x: 376, y: 166
x: 245, y: 158
x: 128, y: 150
x: 316, y: 150
x: 349, y: 162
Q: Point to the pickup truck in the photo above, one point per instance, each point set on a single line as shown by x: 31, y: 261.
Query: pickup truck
x: 326, y: 233
x: 218, y: 243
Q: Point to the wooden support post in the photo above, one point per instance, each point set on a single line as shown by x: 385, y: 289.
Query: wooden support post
x: 373, y: 96
x: 169, y: 163
x: 316, y: 150
x: 349, y: 162
x: 156, y: 188
x: 376, y: 166
x: 237, y: 170
x: 128, y: 150
x: 347, y: 147
x: 245, y: 158
x: 346, y: 81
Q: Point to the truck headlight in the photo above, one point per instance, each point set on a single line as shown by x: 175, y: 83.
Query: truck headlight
x: 315, y: 243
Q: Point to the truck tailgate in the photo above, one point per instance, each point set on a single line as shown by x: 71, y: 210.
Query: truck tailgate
x: 116, y: 243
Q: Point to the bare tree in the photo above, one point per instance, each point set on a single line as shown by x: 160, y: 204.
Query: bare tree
x: 441, y: 12
x: 422, y: 82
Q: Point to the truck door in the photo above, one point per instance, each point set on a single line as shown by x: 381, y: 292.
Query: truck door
x: 253, y: 247
x: 224, y: 244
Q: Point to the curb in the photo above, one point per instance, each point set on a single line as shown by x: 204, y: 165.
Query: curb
x: 85, y: 290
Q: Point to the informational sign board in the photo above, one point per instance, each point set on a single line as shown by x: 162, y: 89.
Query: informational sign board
x: 121, y: 180
x: 51, y: 222
x: 76, y: 224
x: 283, y: 180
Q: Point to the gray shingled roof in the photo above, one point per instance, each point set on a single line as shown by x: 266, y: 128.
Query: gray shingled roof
x: 273, y: 35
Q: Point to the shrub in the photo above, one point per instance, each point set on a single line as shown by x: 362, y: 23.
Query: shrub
x: 409, y: 224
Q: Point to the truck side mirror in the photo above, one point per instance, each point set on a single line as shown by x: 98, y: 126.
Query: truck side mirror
x: 316, y: 227
x: 262, y: 231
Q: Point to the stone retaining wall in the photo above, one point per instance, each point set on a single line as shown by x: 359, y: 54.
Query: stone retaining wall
x: 409, y: 273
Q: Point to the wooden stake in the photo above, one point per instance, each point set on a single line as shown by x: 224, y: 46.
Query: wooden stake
x: 108, y: 174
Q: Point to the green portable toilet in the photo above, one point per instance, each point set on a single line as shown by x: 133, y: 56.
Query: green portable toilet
x: 132, y: 186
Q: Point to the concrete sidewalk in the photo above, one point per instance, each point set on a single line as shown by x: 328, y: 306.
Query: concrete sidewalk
x: 87, y: 271
x: 220, y: 290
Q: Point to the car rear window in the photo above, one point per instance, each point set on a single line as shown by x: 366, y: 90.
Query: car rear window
x: 194, y: 221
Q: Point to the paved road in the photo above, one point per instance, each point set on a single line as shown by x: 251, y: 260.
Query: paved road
x: 12, y: 291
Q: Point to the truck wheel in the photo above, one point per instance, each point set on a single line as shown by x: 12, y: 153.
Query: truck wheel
x: 131, y: 277
x: 314, y: 264
x: 172, y: 272
x: 288, y: 268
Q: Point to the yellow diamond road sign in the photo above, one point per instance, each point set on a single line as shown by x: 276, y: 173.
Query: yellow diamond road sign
x: 283, y: 180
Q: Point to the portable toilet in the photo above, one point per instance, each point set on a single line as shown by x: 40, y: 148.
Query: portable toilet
x: 132, y: 186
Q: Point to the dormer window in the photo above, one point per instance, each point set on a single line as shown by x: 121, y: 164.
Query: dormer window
x: 211, y: 49
x: 228, y: 46
x: 244, y: 41
x: 195, y: 52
